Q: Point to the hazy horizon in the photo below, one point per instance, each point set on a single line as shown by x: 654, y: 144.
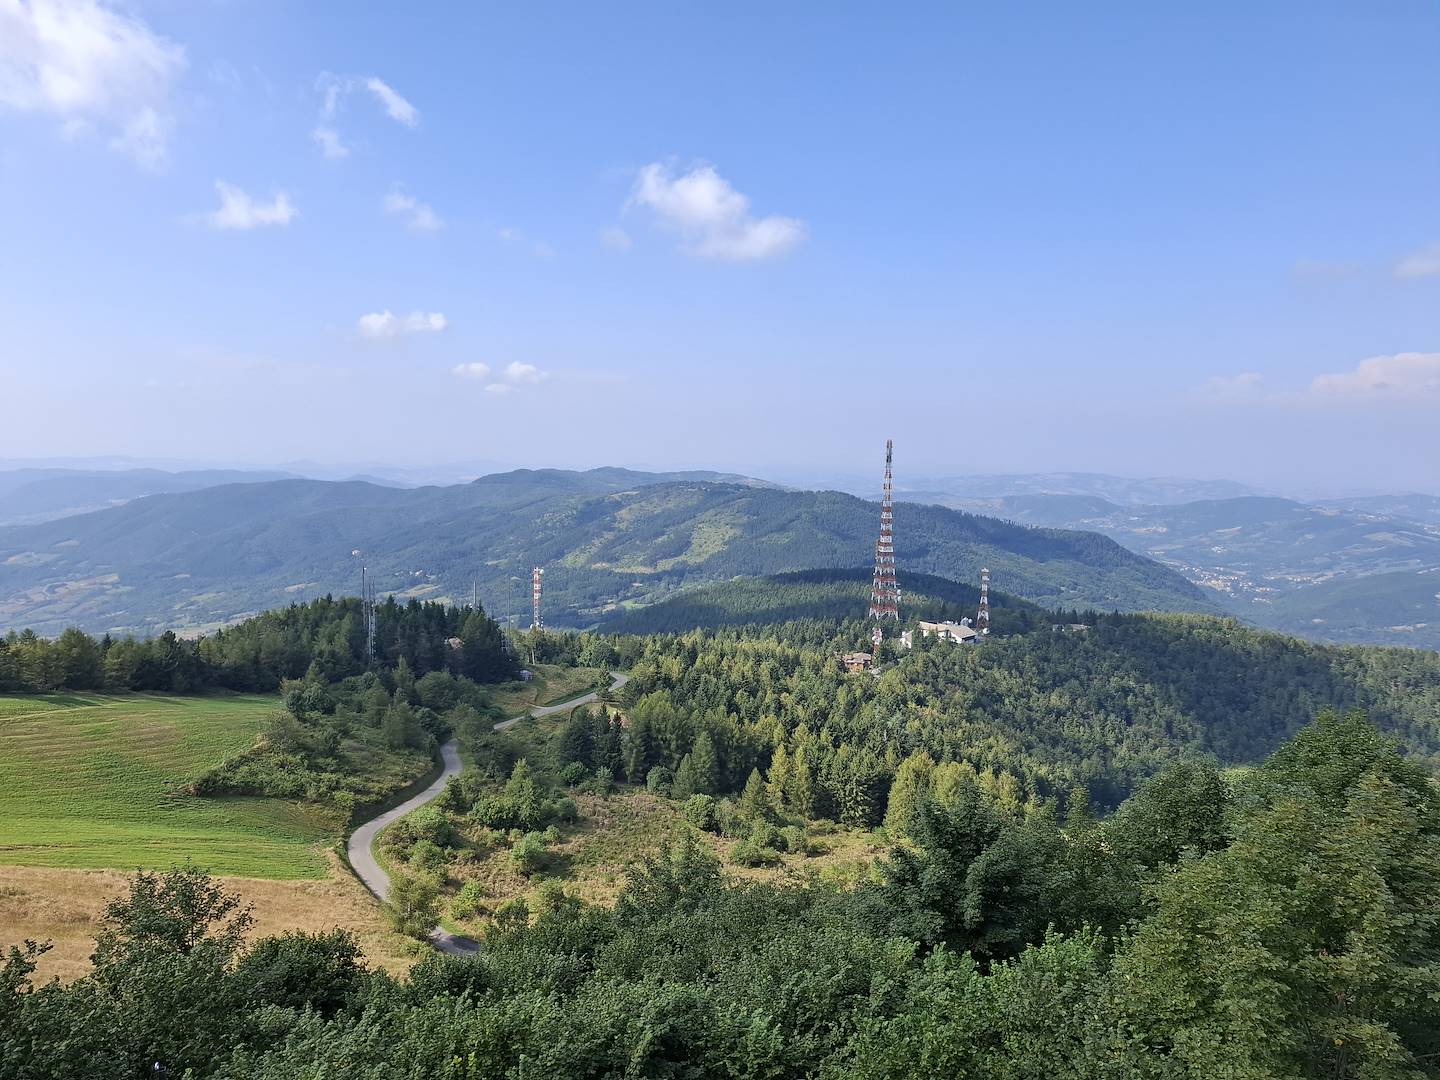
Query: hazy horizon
x: 1175, y: 243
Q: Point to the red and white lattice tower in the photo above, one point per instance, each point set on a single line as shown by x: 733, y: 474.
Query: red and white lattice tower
x: 885, y: 592
x: 535, y: 576
x: 982, y: 620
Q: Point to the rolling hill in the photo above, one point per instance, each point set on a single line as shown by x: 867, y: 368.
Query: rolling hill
x: 811, y: 594
x: 607, y: 538
x: 29, y: 496
x: 1348, y: 571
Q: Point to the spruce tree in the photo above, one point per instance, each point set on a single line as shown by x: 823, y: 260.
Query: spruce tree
x: 707, y: 764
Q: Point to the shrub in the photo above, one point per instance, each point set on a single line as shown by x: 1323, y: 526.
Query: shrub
x: 469, y: 901
x: 414, y: 904
x: 604, y: 782
x: 700, y: 812
x: 746, y: 853
x: 528, y: 856
x: 566, y: 810
x: 573, y: 774
x: 427, y: 855
x: 659, y: 780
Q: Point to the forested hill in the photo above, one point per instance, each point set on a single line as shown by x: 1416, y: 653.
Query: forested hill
x: 606, y: 537
x: 818, y: 594
x: 1037, y: 712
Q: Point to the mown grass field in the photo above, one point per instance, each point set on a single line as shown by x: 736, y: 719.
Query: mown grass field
x: 93, y: 780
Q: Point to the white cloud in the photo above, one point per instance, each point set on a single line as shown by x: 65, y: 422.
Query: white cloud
x: 385, y: 324
x: 396, y: 107
x: 336, y: 88
x: 616, y: 238
x: 1407, y: 376
x: 88, y: 64
x: 518, y: 373
x: 239, y: 210
x: 328, y: 139
x: 1421, y: 264
x: 419, y: 217
x: 711, y: 215
x: 538, y: 248
x: 512, y: 378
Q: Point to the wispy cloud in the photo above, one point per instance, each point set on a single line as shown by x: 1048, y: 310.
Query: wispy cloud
x: 713, y: 218
x: 1401, y: 377
x: 513, y: 377
x: 330, y: 143
x: 539, y: 248
x: 1421, y: 264
x: 418, y: 216
x: 380, y: 325
x: 616, y: 238
x: 239, y: 210
x: 336, y: 88
x: 1396, y: 379
x: 395, y: 106
x: 90, y: 65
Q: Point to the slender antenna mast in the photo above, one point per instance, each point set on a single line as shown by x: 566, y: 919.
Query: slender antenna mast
x: 535, y: 576
x: 367, y: 606
x: 982, y: 619
x: 885, y: 590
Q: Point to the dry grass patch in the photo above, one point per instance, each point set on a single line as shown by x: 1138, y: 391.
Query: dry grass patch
x: 65, y: 905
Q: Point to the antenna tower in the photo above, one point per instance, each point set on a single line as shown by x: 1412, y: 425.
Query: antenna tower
x: 367, y: 606
x: 535, y: 575
x: 885, y: 592
x: 982, y: 620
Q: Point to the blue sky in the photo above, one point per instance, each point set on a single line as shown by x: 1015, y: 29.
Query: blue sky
x: 1119, y: 237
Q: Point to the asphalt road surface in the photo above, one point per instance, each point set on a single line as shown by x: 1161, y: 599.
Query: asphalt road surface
x: 361, y: 846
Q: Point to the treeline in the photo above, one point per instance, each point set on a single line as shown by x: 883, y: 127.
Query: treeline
x: 823, y: 595
x: 1284, y: 927
x: 323, y: 640
x: 1032, y: 716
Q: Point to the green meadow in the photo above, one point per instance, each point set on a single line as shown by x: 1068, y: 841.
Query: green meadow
x: 94, y: 780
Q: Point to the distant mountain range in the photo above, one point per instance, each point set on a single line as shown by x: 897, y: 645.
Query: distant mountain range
x: 1362, y: 569
x: 32, y: 495
x: 1121, y: 490
x: 607, y: 537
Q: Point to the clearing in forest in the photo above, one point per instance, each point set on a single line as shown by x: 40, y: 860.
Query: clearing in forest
x: 95, y: 780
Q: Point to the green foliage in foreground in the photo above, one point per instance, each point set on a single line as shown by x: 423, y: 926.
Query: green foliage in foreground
x: 1287, y: 929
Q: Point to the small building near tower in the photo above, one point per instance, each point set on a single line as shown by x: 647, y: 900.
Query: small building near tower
x: 857, y: 661
x: 962, y: 632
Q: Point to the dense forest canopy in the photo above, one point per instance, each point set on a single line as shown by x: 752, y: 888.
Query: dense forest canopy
x: 1282, y: 926
x: 324, y: 639
x: 1036, y: 712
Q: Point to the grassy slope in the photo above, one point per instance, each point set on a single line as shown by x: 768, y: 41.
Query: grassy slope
x: 552, y: 684
x: 92, y: 780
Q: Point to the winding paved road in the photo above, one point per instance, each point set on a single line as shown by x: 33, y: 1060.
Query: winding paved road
x: 360, y: 848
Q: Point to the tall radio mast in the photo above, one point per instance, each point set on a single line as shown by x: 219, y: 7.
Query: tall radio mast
x: 535, y: 575
x: 885, y: 590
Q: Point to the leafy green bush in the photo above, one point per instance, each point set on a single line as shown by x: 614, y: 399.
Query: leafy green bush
x: 659, y: 780
x: 469, y: 901
x: 529, y: 855
x: 700, y: 812
x: 574, y: 774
